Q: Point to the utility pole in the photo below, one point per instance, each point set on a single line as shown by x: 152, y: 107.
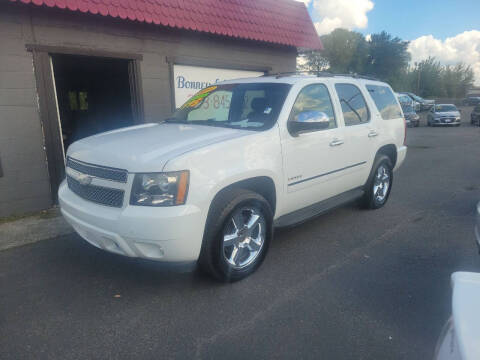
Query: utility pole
x: 418, y: 79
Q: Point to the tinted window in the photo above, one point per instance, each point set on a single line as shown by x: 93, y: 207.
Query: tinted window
x: 385, y: 101
x: 354, y: 107
x: 314, y: 97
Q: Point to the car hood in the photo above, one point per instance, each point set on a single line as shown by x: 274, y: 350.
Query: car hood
x: 447, y: 113
x: 466, y: 313
x: 147, y: 148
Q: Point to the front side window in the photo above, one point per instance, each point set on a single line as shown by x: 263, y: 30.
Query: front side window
x: 354, y: 107
x: 314, y: 98
x: 251, y: 106
x: 385, y: 101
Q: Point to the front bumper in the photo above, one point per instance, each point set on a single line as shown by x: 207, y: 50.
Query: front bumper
x: 170, y: 234
x: 453, y: 123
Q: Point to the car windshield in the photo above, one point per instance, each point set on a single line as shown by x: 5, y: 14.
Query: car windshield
x: 445, y: 108
x: 251, y: 106
x: 407, y: 108
x: 416, y: 98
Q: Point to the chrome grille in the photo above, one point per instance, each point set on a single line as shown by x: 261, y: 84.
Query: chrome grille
x: 102, y: 172
x: 97, y: 194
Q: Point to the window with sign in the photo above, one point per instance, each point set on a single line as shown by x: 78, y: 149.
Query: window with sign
x: 252, y: 106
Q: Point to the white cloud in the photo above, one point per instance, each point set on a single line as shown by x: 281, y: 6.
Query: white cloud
x: 464, y: 47
x: 305, y: 1
x: 348, y: 14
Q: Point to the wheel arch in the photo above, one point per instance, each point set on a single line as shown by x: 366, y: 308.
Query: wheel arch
x: 262, y: 185
x: 389, y: 150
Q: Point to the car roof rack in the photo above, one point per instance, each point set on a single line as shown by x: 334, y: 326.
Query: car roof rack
x: 320, y: 74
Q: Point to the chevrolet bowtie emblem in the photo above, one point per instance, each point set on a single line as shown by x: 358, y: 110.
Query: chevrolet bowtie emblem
x: 83, y: 179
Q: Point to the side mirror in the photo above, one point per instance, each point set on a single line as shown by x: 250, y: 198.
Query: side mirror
x: 308, y: 121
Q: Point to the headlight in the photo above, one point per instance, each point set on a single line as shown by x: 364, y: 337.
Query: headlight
x: 160, y: 189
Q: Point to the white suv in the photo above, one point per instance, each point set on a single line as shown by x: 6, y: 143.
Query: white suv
x: 210, y: 183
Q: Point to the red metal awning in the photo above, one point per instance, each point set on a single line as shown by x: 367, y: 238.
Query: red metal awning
x: 285, y: 22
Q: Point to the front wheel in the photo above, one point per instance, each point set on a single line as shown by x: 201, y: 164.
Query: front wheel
x: 237, y: 235
x: 379, y: 184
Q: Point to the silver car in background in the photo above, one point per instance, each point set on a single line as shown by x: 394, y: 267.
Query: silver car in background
x: 444, y: 115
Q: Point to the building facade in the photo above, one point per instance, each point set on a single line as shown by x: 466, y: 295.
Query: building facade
x: 69, y: 70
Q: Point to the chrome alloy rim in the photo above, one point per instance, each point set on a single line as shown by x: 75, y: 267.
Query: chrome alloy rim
x: 243, y: 237
x: 381, y: 184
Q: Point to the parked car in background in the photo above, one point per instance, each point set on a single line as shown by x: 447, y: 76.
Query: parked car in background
x: 405, y: 98
x: 471, y: 101
x: 411, y: 117
x: 424, y: 103
x: 238, y: 158
x: 444, y: 115
x: 475, y: 116
x: 459, y: 339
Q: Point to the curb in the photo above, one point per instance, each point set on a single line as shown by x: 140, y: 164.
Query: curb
x: 27, y: 230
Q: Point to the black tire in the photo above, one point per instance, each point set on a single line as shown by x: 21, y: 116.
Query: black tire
x: 212, y: 259
x: 417, y: 124
x: 369, y: 200
x: 428, y: 123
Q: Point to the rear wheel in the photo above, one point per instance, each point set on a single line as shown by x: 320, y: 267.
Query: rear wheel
x: 379, y: 184
x: 237, y: 235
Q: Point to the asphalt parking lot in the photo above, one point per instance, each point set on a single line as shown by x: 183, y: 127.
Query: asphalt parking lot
x: 352, y: 284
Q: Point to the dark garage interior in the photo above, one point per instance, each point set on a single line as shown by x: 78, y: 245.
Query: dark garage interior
x: 93, y: 95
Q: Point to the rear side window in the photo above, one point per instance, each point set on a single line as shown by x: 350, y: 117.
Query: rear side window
x: 385, y: 101
x: 354, y: 107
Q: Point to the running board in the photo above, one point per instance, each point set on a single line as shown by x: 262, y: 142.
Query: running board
x: 302, y: 215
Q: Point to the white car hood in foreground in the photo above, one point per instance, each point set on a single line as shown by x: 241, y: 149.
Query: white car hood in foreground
x: 466, y: 313
x: 147, y: 148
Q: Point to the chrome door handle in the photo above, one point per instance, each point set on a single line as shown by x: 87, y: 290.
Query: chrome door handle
x: 372, y: 133
x: 336, y: 142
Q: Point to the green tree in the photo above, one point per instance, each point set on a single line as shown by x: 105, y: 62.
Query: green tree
x: 346, y: 51
x: 312, y: 61
x: 427, y: 78
x: 457, y: 80
x: 388, y: 58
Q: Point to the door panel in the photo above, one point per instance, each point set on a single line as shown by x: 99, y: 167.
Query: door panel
x: 313, y: 161
x: 360, y: 134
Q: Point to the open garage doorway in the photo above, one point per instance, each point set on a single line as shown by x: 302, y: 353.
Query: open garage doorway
x: 93, y: 95
x: 83, y: 92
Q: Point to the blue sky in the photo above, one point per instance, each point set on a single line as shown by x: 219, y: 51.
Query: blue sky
x: 449, y: 30
x: 410, y: 19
